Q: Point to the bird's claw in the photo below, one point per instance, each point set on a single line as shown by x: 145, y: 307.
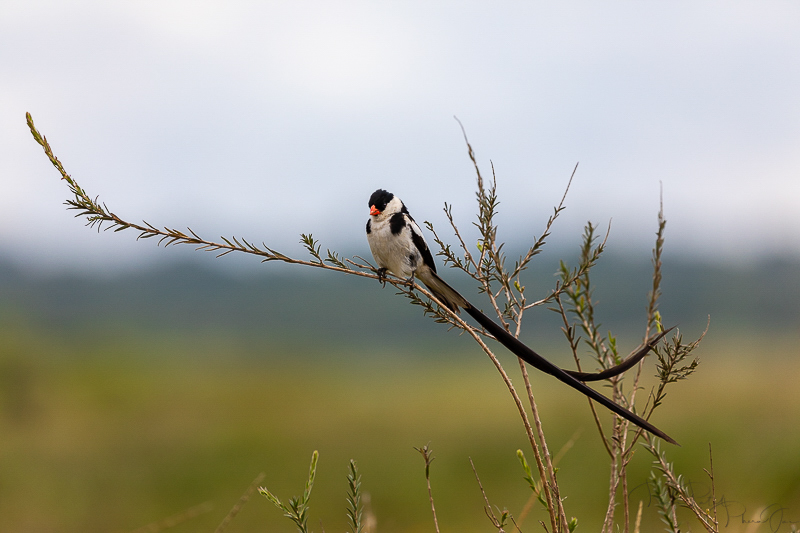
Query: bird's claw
x: 382, y: 275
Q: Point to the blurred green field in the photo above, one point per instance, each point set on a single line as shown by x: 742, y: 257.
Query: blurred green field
x: 106, y: 434
x: 128, y: 400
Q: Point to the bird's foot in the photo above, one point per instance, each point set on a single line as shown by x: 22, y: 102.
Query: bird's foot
x: 382, y: 275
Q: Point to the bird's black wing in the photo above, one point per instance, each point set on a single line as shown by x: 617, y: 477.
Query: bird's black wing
x: 419, y: 242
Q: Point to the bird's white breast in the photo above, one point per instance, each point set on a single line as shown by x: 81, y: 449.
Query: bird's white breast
x: 396, y: 253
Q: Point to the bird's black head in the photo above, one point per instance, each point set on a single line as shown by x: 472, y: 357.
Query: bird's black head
x: 379, y: 200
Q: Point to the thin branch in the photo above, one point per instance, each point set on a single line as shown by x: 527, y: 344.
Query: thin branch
x: 238, y: 507
x: 551, y: 482
x: 498, y: 523
x: 172, y: 521
x: 522, y: 264
x: 570, y: 278
x: 428, y: 456
x: 710, y: 473
x: 675, y: 482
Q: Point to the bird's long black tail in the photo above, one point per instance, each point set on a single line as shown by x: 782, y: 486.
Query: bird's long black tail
x: 453, y: 299
x: 537, y: 361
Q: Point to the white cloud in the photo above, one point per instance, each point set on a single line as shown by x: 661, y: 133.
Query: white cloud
x: 239, y: 117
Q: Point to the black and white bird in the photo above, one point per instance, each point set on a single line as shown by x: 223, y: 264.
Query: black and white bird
x: 397, y: 244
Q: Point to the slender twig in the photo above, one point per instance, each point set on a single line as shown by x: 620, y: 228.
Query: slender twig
x: 498, y: 523
x: 552, y: 483
x: 569, y: 331
x: 238, y: 507
x: 653, y: 317
x: 710, y: 473
x: 354, y: 508
x: 480, y: 485
x: 174, y: 520
x: 539, y: 243
x: 675, y: 483
x: 297, y: 508
x: 487, y: 268
x: 428, y: 456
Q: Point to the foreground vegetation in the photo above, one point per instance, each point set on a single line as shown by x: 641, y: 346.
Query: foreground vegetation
x: 107, y: 436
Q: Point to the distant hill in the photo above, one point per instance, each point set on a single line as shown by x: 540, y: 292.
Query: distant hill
x: 297, y: 307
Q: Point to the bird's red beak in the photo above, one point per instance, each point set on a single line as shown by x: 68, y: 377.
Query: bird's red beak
x: 373, y: 210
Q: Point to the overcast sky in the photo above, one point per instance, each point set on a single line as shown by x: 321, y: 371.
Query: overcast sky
x: 268, y: 119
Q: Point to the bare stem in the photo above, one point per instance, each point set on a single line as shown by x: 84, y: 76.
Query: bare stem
x: 238, y: 507
x: 428, y: 456
x: 551, y: 483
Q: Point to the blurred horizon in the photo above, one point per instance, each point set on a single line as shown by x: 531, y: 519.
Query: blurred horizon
x: 200, y: 293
